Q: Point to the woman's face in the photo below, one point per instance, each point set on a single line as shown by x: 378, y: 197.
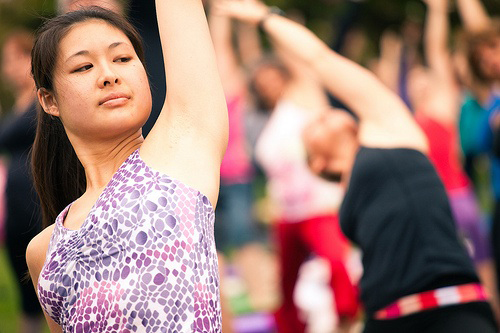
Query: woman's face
x: 489, y: 55
x: 331, y: 143
x: 101, y: 89
x: 269, y: 84
x: 16, y: 66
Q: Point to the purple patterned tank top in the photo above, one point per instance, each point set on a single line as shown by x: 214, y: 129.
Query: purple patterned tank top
x: 144, y: 260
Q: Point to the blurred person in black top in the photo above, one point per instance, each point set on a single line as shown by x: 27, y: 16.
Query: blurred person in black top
x: 17, y: 132
x: 417, y: 276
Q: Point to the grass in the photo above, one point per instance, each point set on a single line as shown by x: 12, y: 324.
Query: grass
x: 9, y: 297
x: 9, y: 304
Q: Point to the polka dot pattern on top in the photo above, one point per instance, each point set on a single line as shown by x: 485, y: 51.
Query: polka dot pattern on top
x: 144, y: 260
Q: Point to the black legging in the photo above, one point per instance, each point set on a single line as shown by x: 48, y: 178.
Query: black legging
x: 463, y: 318
x: 495, y: 239
x: 22, y: 224
x: 23, y: 220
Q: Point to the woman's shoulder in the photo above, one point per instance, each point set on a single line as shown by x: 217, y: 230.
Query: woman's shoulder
x: 37, y: 249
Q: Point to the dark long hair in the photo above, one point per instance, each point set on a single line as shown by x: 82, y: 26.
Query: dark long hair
x: 58, y: 175
x: 477, y: 40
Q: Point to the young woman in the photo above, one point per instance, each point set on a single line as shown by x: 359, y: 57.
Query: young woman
x: 417, y: 275
x: 133, y: 248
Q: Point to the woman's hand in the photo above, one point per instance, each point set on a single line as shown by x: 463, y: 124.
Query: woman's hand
x: 249, y: 11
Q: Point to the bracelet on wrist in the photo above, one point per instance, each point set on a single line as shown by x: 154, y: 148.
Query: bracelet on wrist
x: 273, y: 10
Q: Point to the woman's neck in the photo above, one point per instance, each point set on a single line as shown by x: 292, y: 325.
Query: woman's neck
x: 101, y: 161
x: 482, y: 93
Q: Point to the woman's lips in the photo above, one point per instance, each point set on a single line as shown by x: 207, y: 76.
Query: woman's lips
x: 116, y: 102
x: 114, y: 99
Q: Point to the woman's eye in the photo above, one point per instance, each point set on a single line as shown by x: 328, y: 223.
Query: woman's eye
x: 123, y: 59
x: 82, y: 69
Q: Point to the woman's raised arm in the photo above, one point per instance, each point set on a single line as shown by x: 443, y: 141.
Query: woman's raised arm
x: 190, y: 135
x: 473, y: 14
x: 435, y: 40
x: 194, y: 90
x: 232, y: 77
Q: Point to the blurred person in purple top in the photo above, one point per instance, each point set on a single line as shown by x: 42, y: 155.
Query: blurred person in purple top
x: 132, y: 246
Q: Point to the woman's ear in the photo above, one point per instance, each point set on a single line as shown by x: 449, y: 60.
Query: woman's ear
x: 48, y: 102
x: 317, y: 164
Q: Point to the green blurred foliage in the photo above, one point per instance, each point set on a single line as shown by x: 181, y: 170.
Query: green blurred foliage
x: 321, y: 16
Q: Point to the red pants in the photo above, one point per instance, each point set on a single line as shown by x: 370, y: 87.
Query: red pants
x: 296, y: 241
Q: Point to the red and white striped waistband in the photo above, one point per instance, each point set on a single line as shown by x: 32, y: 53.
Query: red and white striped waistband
x: 465, y: 293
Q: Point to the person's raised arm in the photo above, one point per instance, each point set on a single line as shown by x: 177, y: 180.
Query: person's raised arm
x: 387, y: 67
x: 189, y: 138
x: 473, y: 15
x: 227, y: 62
x: 195, y: 98
x: 435, y: 41
x: 385, y: 121
x: 446, y: 101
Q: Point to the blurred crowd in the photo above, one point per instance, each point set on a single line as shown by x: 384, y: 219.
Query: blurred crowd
x: 285, y: 265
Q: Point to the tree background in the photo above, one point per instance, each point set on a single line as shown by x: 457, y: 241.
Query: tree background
x: 367, y: 18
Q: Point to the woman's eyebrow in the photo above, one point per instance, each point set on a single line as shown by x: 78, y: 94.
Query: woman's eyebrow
x: 79, y: 53
x: 86, y: 52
